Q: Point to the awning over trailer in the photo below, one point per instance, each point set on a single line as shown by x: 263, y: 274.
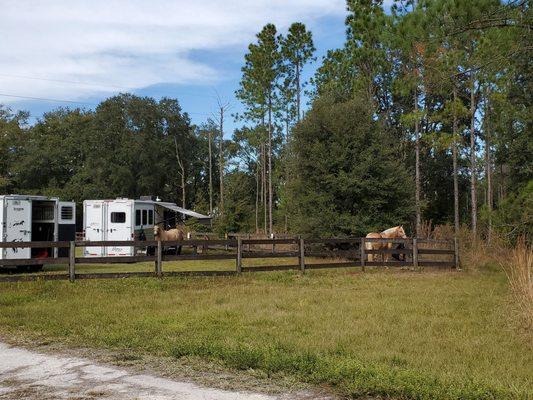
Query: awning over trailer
x: 184, y: 211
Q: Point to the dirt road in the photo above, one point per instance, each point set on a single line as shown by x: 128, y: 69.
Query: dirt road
x: 26, y: 374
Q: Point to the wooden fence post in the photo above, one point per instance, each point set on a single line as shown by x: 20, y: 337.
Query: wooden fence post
x: 456, y: 253
x: 301, y: 255
x: 159, y: 259
x: 363, y: 255
x: 239, y: 255
x: 273, y: 236
x: 72, y: 261
x: 415, y: 253
x: 226, y: 238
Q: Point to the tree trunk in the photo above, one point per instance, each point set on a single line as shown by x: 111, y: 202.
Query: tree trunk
x: 417, y: 167
x: 183, y: 189
x: 270, y: 164
x: 298, y: 91
x: 264, y: 187
x: 473, y: 178
x: 210, y: 175
x: 182, y: 169
x: 455, y: 171
x: 221, y: 160
x: 257, y: 179
x: 488, y: 170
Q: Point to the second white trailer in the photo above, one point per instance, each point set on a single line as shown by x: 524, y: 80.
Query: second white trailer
x: 125, y: 220
x: 112, y: 220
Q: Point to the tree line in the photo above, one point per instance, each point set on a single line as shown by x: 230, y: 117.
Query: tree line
x: 423, y: 114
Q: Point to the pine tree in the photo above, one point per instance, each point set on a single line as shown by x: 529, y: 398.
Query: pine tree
x: 259, y: 93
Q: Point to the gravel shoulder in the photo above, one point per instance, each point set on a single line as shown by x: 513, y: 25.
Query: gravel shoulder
x: 52, y: 372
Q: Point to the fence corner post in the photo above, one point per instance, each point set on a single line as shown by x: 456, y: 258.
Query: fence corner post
x: 159, y: 259
x: 363, y: 255
x: 239, y: 255
x: 301, y: 254
x: 456, y: 253
x: 72, y: 261
x: 415, y: 253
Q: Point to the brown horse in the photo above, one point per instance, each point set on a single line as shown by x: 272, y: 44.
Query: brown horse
x: 396, y: 232
x: 172, y: 235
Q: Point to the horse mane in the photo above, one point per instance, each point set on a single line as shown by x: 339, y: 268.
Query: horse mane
x: 390, y: 230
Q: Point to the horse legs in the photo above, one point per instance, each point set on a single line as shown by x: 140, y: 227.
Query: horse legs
x: 386, y: 256
x: 368, y: 246
x: 178, y: 250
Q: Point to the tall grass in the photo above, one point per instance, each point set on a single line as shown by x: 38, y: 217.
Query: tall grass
x: 518, y: 266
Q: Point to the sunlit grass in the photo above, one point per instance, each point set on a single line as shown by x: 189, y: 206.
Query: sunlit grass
x: 409, y: 335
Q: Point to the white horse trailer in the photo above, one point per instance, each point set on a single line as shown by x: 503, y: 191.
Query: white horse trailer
x: 35, y: 219
x: 126, y: 220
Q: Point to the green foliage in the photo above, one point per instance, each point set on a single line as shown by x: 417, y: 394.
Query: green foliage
x: 347, y: 177
x: 514, y: 216
x: 125, y: 148
x: 297, y: 49
x: 12, y: 136
x: 260, y: 75
x: 240, y: 203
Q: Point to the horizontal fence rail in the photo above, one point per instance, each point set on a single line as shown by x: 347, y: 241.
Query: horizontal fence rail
x: 349, y: 252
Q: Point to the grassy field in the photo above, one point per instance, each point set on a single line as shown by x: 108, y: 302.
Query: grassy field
x: 428, y: 335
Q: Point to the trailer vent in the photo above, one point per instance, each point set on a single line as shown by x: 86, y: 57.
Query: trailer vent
x: 67, y: 212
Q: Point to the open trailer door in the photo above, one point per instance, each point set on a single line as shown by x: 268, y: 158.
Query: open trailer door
x: 17, y: 217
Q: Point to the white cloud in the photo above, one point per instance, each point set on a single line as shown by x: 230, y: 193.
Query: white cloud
x: 130, y: 43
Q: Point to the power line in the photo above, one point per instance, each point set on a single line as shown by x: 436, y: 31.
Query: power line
x: 73, y: 102
x: 45, y: 99
x: 65, y: 81
x: 94, y: 84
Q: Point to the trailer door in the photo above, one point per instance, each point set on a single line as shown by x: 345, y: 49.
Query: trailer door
x: 93, y: 225
x: 119, y: 227
x: 17, y: 227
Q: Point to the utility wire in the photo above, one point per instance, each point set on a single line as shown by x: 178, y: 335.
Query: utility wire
x: 45, y: 99
x: 94, y: 84
x: 74, y: 102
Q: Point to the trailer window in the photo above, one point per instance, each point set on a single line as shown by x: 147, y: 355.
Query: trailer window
x: 138, y: 221
x: 118, y: 217
x: 145, y: 217
x: 150, y: 217
x: 42, y: 211
x: 67, y: 212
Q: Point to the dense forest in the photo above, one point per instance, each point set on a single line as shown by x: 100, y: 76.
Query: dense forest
x: 423, y: 115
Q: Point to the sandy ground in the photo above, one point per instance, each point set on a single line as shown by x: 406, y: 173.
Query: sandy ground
x: 27, y: 374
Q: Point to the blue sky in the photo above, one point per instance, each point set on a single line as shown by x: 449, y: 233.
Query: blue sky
x: 85, y: 51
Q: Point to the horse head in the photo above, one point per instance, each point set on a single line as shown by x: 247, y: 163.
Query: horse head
x: 157, y: 231
x: 400, y: 232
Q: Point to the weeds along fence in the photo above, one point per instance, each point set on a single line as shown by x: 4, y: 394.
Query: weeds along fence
x: 331, y: 253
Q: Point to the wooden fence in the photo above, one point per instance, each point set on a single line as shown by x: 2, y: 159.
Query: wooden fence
x: 333, y: 253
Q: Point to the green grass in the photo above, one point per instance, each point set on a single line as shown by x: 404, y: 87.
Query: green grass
x: 432, y: 335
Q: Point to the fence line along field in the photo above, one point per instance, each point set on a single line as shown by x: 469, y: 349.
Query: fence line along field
x: 329, y: 252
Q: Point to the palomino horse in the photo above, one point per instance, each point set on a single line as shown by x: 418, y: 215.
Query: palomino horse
x: 171, y: 235
x: 391, y: 233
